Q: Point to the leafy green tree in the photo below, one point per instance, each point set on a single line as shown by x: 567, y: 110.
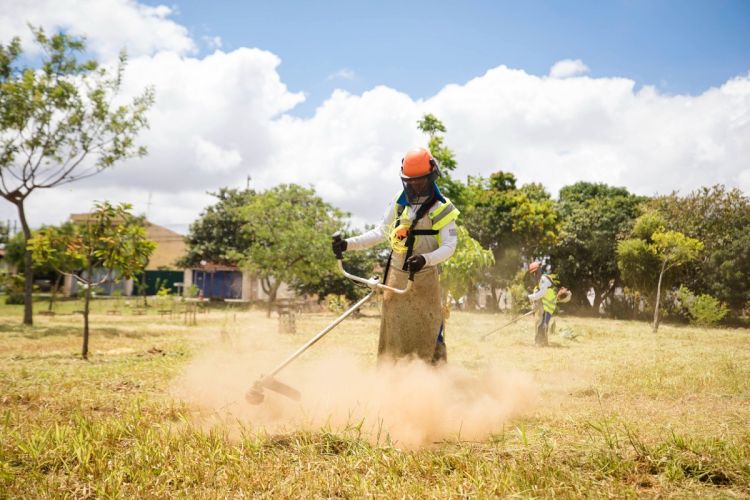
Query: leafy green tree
x: 720, y: 218
x: 111, y: 238
x: 515, y: 224
x: 219, y: 235
x: 672, y: 249
x: 452, y: 188
x: 335, y: 284
x: 15, y: 252
x: 291, y: 228
x: 58, y: 124
x: 666, y: 249
x: 592, y: 218
x: 461, y: 271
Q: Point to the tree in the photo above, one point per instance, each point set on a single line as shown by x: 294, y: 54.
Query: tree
x: 592, y: 219
x: 111, y: 239
x: 291, y: 228
x: 515, y: 224
x: 219, y: 235
x: 673, y: 249
x: 15, y: 252
x: 453, y: 189
x: 668, y: 249
x: 334, y: 283
x: 461, y: 271
x: 58, y: 124
x: 718, y: 217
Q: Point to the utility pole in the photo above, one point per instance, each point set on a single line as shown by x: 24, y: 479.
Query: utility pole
x: 148, y: 205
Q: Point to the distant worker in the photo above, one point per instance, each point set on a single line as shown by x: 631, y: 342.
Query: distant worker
x: 420, y: 225
x: 549, y: 296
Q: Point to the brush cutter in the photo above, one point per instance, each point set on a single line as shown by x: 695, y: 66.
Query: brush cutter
x: 255, y: 395
x: 514, y: 320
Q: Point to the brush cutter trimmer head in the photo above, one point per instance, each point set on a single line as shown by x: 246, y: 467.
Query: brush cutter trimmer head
x: 255, y: 395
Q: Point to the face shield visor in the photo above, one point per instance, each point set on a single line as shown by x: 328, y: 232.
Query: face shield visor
x: 420, y: 189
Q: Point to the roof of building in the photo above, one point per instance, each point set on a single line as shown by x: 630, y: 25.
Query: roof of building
x: 170, y: 245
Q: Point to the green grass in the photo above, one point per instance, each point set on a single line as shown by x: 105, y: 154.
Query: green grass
x: 620, y: 413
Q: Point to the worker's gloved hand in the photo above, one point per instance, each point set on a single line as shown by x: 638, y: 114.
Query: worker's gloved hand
x: 415, y: 263
x: 338, y: 246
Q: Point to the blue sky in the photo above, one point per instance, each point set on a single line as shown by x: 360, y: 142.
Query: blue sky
x: 419, y: 46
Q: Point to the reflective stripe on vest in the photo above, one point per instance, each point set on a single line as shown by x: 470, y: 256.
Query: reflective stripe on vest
x: 439, y: 218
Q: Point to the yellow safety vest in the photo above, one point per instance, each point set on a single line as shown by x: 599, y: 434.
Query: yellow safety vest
x: 439, y: 218
x: 549, y: 300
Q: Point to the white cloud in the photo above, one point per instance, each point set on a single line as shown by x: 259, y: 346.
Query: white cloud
x: 212, y: 42
x: 567, y: 68
x: 224, y: 116
x: 109, y: 25
x: 213, y: 158
x: 342, y: 74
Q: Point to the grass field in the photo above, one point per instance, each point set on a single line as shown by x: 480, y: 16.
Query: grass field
x: 157, y: 411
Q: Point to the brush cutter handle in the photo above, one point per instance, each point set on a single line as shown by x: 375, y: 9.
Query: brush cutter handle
x: 336, y: 237
x: 374, y: 282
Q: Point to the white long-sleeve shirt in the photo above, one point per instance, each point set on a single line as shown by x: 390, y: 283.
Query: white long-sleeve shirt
x: 448, y: 236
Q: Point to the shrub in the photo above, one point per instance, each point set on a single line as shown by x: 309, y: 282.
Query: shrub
x: 336, y: 303
x: 14, y: 288
x: 703, y: 310
x: 708, y: 310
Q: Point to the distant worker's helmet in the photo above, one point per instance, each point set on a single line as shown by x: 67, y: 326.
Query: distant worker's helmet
x: 534, y: 266
x: 419, y: 170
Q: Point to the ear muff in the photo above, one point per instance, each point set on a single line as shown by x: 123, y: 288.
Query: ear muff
x: 435, y: 169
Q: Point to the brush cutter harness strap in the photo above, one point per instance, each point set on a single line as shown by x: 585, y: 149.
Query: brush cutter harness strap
x: 404, y: 234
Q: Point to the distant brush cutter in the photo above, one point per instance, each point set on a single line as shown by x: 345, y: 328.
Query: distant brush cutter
x: 255, y: 394
x: 514, y: 320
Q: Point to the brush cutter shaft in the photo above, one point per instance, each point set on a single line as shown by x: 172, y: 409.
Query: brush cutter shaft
x: 508, y: 323
x: 322, y: 333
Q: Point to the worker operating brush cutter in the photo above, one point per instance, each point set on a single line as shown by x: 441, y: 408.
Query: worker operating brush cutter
x: 546, y: 292
x: 420, y: 225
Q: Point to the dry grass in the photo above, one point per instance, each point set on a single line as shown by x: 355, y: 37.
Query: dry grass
x: 619, y: 412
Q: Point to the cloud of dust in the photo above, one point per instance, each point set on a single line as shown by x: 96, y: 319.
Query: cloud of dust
x: 408, y: 403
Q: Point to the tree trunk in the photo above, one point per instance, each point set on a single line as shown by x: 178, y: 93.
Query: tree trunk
x: 28, y: 264
x: 86, y: 305
x: 655, y: 326
x: 471, y: 299
x: 494, y: 307
x: 55, y: 288
x: 597, y: 302
x: 273, y: 288
x: 144, y: 288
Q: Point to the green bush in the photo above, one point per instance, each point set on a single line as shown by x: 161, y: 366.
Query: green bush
x: 703, y: 310
x: 14, y: 288
x: 336, y: 303
x: 708, y: 310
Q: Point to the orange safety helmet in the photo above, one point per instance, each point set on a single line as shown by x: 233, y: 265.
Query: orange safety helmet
x: 417, y: 162
x: 534, y: 266
x: 419, y: 170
